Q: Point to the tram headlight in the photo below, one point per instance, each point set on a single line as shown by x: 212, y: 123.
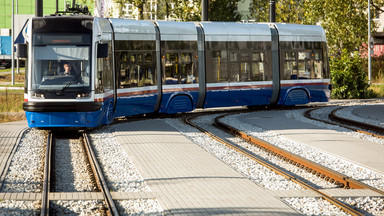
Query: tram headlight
x: 82, y: 95
x: 38, y: 96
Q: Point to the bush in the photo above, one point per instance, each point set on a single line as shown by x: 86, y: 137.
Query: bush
x: 349, y: 79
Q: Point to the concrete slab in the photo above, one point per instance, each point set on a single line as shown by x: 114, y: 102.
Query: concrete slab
x: 189, y: 180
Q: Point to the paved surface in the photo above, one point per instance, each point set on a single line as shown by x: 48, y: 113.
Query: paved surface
x: 374, y: 112
x: 10, y: 135
x: 189, y: 180
x: 366, y: 153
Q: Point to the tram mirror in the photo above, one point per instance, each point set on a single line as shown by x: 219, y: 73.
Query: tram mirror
x: 21, y: 50
x: 102, y: 50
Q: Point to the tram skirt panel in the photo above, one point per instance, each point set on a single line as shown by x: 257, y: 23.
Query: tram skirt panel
x: 296, y: 96
x: 179, y: 104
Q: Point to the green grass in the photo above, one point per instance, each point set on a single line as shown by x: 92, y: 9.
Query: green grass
x: 11, y: 101
x: 11, y: 106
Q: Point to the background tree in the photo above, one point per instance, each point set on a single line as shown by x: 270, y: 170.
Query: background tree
x: 287, y: 11
x: 223, y: 10
x: 345, y: 21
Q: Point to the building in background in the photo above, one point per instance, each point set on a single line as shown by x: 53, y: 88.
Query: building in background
x: 378, y: 36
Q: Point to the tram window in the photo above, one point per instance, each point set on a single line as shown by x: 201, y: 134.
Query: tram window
x: 188, y: 69
x: 136, y: 69
x: 171, y: 68
x: 234, y: 67
x: 304, y: 65
x: 258, y: 72
x: 104, y: 80
x: 290, y: 66
x: 135, y: 45
x: 236, y: 45
x: 217, y: 66
x: 326, y: 70
x: 318, y: 65
x: 239, y: 67
x: 233, y: 57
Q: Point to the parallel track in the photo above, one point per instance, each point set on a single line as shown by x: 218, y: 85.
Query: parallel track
x: 350, y: 124
x: 100, y: 180
x: 276, y: 169
x: 99, y: 176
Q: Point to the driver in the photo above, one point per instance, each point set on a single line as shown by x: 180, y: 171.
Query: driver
x: 67, y: 69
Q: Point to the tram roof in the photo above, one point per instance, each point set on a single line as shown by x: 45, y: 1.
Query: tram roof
x: 133, y: 29
x: 296, y: 32
x: 174, y: 31
x: 224, y: 31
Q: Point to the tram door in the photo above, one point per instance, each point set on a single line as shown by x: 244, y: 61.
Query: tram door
x: 105, y: 86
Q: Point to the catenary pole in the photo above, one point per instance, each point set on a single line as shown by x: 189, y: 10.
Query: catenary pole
x: 38, y: 8
x: 204, y: 10
x: 13, y: 43
x: 272, y: 11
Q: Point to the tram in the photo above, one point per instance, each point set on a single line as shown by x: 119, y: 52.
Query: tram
x: 124, y: 67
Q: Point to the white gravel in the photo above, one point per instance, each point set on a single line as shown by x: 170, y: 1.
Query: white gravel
x: 121, y: 174
x: 81, y: 207
x: 119, y: 170
x: 25, y: 172
x: 139, y: 207
x: 248, y: 167
x: 12, y: 207
x: 71, y: 172
x: 366, y: 175
x: 314, y: 206
x: 369, y: 205
x: 338, y: 164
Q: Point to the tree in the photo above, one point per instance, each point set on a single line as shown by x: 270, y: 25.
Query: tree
x: 349, y: 79
x: 344, y: 21
x: 223, y: 10
x: 288, y: 11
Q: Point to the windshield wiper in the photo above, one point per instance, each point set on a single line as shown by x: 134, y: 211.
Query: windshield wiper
x: 61, y: 92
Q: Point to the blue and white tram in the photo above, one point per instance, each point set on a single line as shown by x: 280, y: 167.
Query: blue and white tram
x: 126, y: 67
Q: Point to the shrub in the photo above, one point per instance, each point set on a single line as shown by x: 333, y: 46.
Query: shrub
x: 349, y: 79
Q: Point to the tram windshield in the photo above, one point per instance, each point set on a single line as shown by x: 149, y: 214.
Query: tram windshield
x: 61, y: 66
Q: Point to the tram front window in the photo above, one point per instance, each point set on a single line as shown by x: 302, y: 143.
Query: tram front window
x: 61, y: 72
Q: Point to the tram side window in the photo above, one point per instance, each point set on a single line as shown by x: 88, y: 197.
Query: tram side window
x: 258, y: 72
x: 326, y: 70
x: 290, y: 66
x: 234, y: 66
x: 180, y: 62
x: 172, y: 68
x: 304, y: 65
x: 217, y: 66
x: 318, y: 65
x: 188, y: 68
x: 104, y: 80
x: 136, y: 63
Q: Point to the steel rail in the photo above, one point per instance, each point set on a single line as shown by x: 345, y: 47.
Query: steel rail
x: 99, y: 176
x: 276, y: 169
x: 330, y: 175
x: 343, y: 122
x: 47, y: 176
x: 358, y: 124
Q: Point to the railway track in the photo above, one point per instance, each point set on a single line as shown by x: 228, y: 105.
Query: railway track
x: 316, y: 169
x: 97, y: 173
x: 361, y: 127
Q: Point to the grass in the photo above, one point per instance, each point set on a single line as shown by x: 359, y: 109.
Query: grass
x: 7, y: 78
x: 377, y: 86
x: 11, y: 105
